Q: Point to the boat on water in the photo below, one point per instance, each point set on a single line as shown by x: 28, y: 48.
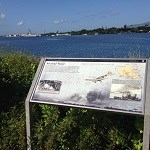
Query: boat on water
x: 29, y: 34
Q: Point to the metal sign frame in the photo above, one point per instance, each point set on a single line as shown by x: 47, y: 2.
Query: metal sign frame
x: 29, y: 102
x: 146, y: 133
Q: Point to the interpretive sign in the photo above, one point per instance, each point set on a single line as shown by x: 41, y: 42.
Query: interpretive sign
x: 119, y: 85
x: 104, y: 84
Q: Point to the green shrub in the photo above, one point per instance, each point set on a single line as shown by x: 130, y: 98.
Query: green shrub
x: 18, y: 68
x: 16, y: 74
x: 57, y: 128
x: 12, y: 129
x: 70, y: 129
x: 81, y: 129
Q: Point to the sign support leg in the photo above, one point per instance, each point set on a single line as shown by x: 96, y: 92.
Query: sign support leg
x: 28, y: 107
x: 28, y: 123
x: 146, y: 133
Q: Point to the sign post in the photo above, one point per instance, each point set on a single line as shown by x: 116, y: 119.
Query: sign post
x: 28, y: 123
x: 146, y: 134
x: 28, y: 107
x: 115, y: 85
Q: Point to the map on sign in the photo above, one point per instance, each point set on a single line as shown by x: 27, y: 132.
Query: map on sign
x: 129, y: 71
x: 114, y: 86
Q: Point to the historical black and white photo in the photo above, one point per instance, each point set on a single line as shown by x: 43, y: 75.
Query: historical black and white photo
x: 49, y: 86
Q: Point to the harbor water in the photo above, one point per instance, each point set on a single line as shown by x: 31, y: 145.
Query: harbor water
x: 81, y: 46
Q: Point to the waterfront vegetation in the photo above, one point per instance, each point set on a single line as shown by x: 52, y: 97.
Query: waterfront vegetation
x: 113, y: 30
x: 57, y: 128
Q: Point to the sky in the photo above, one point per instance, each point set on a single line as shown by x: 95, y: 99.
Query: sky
x: 18, y: 16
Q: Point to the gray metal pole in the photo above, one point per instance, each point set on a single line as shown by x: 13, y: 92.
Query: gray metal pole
x: 28, y: 106
x: 146, y: 133
x: 28, y: 123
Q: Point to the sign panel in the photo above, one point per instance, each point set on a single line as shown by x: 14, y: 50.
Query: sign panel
x: 112, y: 85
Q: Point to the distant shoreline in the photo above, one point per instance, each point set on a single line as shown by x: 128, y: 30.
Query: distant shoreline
x: 113, y: 30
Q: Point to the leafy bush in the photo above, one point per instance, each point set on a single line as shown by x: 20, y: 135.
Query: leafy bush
x: 57, y: 128
x: 12, y: 129
x: 16, y: 74
x: 18, y: 67
x: 70, y: 128
x: 81, y: 129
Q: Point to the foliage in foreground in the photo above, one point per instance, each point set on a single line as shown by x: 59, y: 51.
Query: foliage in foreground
x: 81, y: 129
x: 16, y: 74
x: 12, y: 129
x: 71, y: 129
x: 57, y: 127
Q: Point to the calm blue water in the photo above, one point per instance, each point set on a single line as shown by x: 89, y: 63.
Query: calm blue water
x: 107, y: 45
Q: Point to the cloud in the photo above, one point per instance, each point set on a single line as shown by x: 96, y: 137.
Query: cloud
x: 2, y: 16
x: 20, y: 23
x: 59, y: 21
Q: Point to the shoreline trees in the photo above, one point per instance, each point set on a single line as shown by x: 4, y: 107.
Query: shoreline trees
x: 102, y: 30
